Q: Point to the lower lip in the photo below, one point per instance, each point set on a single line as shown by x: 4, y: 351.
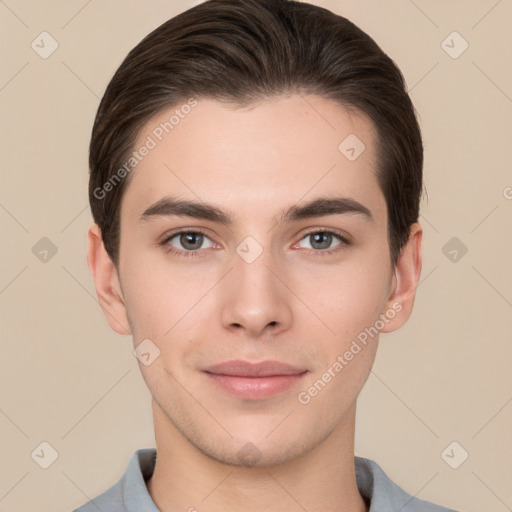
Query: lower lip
x: 255, y: 388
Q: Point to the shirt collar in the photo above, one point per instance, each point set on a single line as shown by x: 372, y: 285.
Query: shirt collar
x: 376, y: 488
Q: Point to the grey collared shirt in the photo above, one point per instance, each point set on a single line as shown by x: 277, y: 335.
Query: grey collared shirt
x: 130, y: 493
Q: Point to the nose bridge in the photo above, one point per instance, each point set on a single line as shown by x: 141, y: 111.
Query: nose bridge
x: 256, y: 297
x: 252, y: 262
x: 252, y: 273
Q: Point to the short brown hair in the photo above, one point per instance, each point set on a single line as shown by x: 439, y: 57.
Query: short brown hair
x: 242, y: 51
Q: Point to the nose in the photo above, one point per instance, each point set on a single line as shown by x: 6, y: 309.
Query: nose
x: 256, y: 298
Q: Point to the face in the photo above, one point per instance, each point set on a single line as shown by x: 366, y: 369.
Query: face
x: 259, y: 270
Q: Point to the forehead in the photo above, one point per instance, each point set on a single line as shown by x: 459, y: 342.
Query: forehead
x: 272, y: 154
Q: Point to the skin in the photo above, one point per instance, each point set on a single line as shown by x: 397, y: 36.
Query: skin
x: 287, y: 305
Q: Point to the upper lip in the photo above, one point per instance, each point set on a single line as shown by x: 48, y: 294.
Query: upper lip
x: 262, y: 369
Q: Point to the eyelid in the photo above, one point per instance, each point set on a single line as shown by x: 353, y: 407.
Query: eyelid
x: 180, y: 231
x: 344, y: 237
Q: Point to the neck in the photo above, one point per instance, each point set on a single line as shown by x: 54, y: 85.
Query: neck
x: 187, y: 479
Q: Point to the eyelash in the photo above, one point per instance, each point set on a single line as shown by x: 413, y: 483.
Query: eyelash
x: 196, y: 253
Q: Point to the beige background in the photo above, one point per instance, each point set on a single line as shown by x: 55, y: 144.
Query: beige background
x: 67, y: 379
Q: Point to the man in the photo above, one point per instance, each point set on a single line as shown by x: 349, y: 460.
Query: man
x: 256, y: 172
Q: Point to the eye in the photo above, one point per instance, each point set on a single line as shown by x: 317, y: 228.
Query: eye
x: 321, y: 240
x: 186, y: 243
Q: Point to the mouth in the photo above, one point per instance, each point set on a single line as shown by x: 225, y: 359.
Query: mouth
x: 257, y: 381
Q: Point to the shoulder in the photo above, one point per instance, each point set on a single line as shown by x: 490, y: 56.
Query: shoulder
x: 130, y: 492
x: 384, y: 495
x: 109, y: 501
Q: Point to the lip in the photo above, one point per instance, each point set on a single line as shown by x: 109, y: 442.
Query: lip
x: 254, y: 381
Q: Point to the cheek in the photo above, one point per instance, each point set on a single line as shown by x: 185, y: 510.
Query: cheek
x: 149, y: 301
x: 349, y: 303
x: 347, y: 298
x: 158, y: 294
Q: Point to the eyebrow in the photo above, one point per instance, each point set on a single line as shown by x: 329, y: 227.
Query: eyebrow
x: 322, y: 206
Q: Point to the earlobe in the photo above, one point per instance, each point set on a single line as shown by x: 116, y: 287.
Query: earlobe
x: 405, y: 281
x: 106, y: 282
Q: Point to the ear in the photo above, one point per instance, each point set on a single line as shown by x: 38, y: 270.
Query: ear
x: 106, y: 282
x: 405, y: 281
